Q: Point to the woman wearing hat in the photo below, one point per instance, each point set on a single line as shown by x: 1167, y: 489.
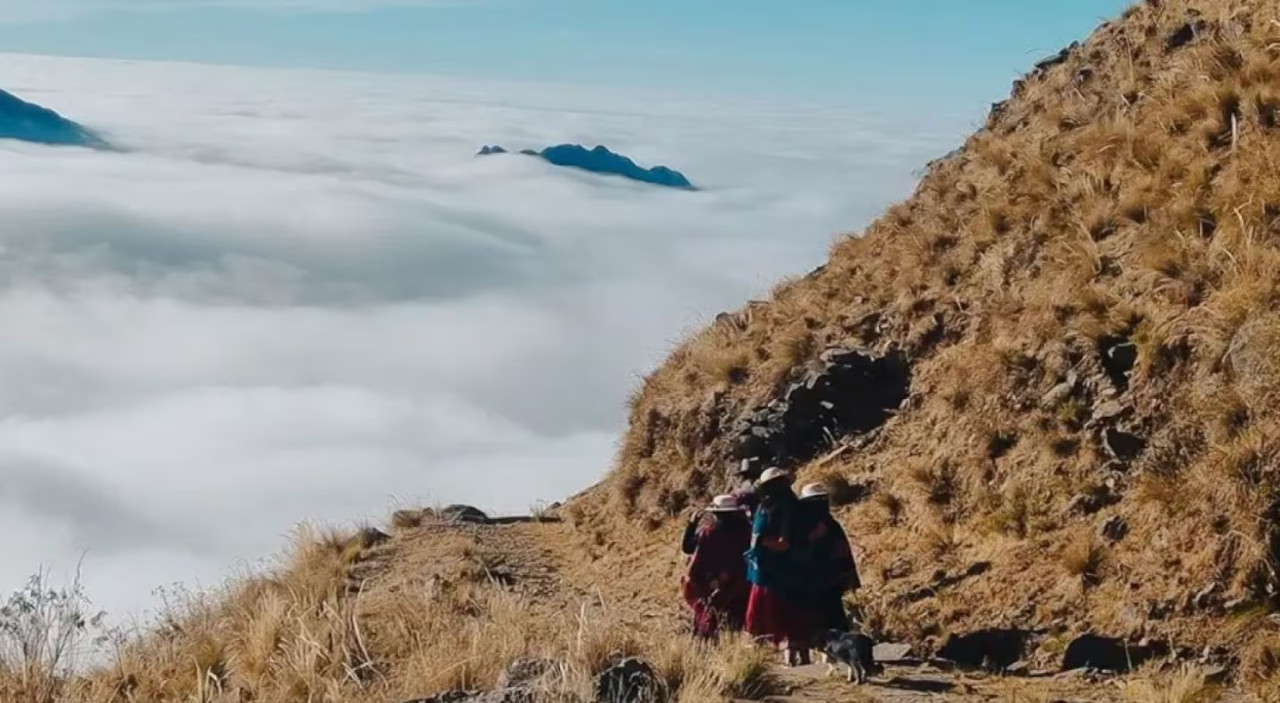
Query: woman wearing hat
x: 827, y: 559
x: 715, y: 586
x: 777, y: 611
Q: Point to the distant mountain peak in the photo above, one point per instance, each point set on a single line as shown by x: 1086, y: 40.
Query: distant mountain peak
x: 600, y: 159
x: 29, y: 122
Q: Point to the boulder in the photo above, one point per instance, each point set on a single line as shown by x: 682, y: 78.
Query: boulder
x: 464, y: 513
x: 629, y: 680
x: 891, y: 652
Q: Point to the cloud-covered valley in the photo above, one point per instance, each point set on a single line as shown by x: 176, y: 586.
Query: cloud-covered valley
x: 297, y: 295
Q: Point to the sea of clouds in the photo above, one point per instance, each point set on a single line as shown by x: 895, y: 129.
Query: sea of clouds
x: 298, y: 296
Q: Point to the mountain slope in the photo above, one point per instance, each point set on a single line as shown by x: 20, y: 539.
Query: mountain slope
x: 1082, y: 303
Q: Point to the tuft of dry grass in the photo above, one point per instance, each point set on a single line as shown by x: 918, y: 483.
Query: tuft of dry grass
x: 1186, y: 685
x: 1083, y: 557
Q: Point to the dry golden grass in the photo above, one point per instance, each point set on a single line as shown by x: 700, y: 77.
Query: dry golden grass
x: 424, y: 614
x: 1186, y: 685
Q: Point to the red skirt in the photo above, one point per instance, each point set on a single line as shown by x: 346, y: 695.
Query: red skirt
x: 775, y: 619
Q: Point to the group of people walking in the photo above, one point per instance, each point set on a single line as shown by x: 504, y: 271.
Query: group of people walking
x: 769, y: 561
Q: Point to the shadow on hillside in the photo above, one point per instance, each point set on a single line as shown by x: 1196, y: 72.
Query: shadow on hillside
x: 945, y: 581
x: 918, y: 685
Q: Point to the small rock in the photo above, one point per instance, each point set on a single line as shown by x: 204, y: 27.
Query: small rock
x: 1058, y: 58
x: 1115, y: 528
x: 1205, y: 598
x: 1216, y: 674
x: 1056, y: 396
x: 891, y: 652
x: 1235, y: 604
x: 1213, y: 655
x: 370, y: 537
x: 1096, y: 499
x: 1109, y: 410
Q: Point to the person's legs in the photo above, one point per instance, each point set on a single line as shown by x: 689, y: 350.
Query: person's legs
x: 800, y: 618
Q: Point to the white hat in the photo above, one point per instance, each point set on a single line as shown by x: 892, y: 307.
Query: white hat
x: 724, y: 504
x: 772, y: 474
x: 814, y: 490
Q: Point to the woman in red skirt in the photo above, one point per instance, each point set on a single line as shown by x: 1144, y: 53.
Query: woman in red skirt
x: 776, y: 611
x: 716, y: 586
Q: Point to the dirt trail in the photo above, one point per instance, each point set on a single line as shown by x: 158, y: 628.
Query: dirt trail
x: 550, y: 563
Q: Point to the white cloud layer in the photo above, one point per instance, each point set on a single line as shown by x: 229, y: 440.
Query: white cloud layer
x: 295, y: 295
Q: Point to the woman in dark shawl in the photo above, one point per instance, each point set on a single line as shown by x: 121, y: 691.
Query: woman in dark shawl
x: 777, y: 612
x: 827, y: 559
x: 716, y: 586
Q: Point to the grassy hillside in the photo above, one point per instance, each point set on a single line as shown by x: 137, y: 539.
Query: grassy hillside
x: 1084, y: 296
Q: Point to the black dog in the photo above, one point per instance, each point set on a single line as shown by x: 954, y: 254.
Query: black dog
x: 852, y: 650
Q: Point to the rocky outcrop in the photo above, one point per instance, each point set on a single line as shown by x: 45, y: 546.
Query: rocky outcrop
x: 851, y: 392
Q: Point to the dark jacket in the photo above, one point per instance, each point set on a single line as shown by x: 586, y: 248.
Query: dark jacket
x: 825, y: 554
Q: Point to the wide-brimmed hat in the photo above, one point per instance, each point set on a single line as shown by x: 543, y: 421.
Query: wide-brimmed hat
x: 724, y: 504
x: 814, y: 491
x: 771, y: 475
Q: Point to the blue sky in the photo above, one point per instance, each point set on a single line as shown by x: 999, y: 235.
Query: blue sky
x: 947, y: 54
